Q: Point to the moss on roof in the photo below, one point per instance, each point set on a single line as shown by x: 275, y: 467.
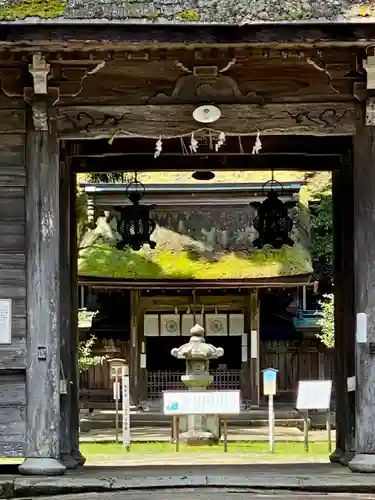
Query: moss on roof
x: 45, y: 9
x: 189, y: 11
x: 106, y: 261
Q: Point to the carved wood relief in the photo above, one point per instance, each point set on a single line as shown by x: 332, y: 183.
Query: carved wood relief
x: 174, y: 120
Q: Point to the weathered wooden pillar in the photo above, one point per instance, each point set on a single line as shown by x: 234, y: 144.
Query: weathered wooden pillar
x: 348, y: 308
x: 66, y: 330
x: 142, y: 383
x: 364, y: 239
x: 74, y: 386
x: 254, y: 348
x: 245, y: 382
x: 343, y: 219
x: 338, y: 372
x: 42, y: 292
x: 134, y: 346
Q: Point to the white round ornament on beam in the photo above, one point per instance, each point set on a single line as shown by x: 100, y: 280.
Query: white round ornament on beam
x: 206, y: 114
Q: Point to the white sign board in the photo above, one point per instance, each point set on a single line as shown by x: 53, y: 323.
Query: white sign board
x: 314, y: 394
x: 201, y: 403
x: 351, y: 384
x: 269, y: 381
x: 5, y: 321
x: 126, y: 410
x: 116, y: 390
x: 361, y: 328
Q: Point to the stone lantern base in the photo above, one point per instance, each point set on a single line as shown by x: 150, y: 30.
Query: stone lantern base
x: 196, y: 438
x: 199, y: 429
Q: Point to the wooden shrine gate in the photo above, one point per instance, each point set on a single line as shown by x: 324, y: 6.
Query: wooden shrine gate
x: 124, y: 89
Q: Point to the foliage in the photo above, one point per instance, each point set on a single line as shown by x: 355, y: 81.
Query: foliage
x: 82, y: 216
x: 45, y: 9
x: 110, y: 178
x: 85, y: 356
x: 106, y: 261
x: 320, y: 204
x: 326, y: 319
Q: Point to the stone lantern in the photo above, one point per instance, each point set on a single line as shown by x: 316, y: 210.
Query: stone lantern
x: 198, y: 429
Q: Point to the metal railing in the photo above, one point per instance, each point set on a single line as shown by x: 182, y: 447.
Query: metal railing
x: 160, y: 381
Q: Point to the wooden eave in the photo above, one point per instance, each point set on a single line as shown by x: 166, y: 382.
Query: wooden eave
x: 66, y: 35
x: 213, y: 194
x: 116, y: 283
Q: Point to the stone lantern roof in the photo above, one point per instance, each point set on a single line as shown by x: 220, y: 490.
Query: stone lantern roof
x: 197, y: 348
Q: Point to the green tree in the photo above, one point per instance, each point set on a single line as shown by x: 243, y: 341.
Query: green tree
x: 110, y: 178
x: 326, y: 320
x: 85, y: 356
x: 320, y: 207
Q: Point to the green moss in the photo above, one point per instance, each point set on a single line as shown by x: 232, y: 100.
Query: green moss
x: 45, y: 9
x: 104, y: 260
x: 153, y: 16
x: 188, y: 15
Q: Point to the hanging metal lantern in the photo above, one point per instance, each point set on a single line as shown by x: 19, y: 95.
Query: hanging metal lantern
x: 273, y: 222
x: 135, y: 225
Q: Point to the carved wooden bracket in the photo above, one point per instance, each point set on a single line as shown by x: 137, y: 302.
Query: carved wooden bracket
x: 41, y: 106
x: 204, y: 88
x: 370, y: 111
x: 39, y: 70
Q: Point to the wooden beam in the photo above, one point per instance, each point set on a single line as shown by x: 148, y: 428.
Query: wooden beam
x: 42, y: 293
x: 189, y: 163
x: 272, y: 144
x: 92, y: 35
x: 178, y: 284
x: 176, y: 120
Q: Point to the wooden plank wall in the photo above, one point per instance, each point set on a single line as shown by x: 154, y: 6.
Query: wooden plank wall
x: 12, y: 275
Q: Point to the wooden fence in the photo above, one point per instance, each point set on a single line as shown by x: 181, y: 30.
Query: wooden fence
x: 307, y: 360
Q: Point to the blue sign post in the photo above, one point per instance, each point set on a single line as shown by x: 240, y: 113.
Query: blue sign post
x: 269, y: 389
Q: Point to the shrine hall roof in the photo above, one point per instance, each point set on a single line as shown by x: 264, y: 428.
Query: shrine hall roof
x: 226, y: 12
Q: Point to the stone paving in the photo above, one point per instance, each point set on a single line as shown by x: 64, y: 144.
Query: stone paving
x: 313, y: 477
x: 213, y: 494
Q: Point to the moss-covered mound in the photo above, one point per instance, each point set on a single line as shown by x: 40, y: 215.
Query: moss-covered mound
x: 106, y: 261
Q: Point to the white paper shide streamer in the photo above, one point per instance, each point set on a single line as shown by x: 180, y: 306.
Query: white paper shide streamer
x: 220, y: 142
x: 258, y: 144
x: 158, y: 148
x: 193, y: 144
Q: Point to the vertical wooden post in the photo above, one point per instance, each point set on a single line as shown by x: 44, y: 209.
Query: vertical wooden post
x: 42, y: 293
x: 339, y: 354
x: 254, y: 345
x: 66, y: 344
x: 245, y: 384
x: 134, y: 345
x: 348, y: 308
x: 142, y: 383
x: 74, y: 386
x: 364, y: 241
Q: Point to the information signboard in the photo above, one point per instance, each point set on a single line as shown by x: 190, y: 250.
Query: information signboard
x: 5, y: 321
x: 269, y: 381
x: 201, y: 403
x: 126, y: 411
x: 314, y: 395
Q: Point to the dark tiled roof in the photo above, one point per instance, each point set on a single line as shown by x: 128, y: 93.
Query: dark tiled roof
x: 201, y: 11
